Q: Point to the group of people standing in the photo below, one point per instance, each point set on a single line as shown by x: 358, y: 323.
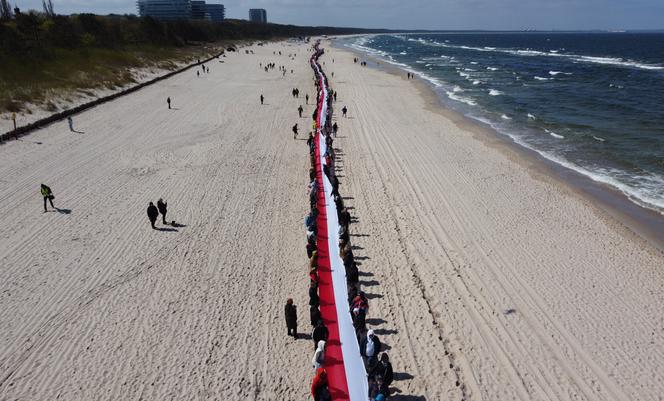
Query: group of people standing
x: 377, y: 364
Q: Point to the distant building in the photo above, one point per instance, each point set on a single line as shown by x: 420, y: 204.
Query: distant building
x: 165, y: 10
x: 216, y: 12
x: 170, y: 10
x: 258, y: 15
x: 198, y: 9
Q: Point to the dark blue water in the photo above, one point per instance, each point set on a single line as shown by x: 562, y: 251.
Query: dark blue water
x: 592, y: 102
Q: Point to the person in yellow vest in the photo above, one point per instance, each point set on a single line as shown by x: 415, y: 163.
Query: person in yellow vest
x: 48, y: 195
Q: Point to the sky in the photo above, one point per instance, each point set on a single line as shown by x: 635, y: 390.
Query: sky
x: 421, y: 14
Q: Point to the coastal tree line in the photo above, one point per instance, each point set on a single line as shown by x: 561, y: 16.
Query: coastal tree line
x: 37, y: 33
x: 45, y: 54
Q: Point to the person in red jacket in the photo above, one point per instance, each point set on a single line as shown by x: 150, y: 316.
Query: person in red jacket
x: 319, y: 389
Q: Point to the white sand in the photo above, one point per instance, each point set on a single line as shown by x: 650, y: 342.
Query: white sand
x: 534, y: 294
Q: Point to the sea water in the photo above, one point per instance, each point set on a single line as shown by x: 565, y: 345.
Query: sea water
x: 591, y: 102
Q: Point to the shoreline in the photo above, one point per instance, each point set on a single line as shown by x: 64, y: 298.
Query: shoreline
x: 609, y: 203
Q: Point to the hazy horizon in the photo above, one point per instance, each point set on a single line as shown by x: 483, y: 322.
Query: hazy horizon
x: 420, y: 14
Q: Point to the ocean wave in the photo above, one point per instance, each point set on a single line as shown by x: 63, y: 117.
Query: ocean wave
x: 461, y: 99
x: 494, y: 92
x: 553, y: 134
x: 531, y: 117
x: 457, y: 89
x: 476, y: 82
x: 492, y: 68
x: 599, y: 139
x: 613, y: 61
x: 505, y: 117
x: 554, y: 73
x: 542, y: 78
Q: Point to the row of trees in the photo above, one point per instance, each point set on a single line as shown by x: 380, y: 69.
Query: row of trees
x: 6, y: 12
x: 37, y: 34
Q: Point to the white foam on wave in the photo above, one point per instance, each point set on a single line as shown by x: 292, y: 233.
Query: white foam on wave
x: 461, y: 99
x: 464, y: 74
x: 505, y: 117
x: 598, y: 139
x: 554, y: 73
x: 614, y: 61
x: 553, y: 134
x: 532, y: 117
x: 494, y: 92
x: 473, y: 62
x: 476, y: 82
x: 457, y: 89
x: 542, y: 78
x: 492, y: 68
x: 644, y: 195
x: 403, y: 53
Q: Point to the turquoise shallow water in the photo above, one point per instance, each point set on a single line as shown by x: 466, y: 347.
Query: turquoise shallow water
x: 592, y: 102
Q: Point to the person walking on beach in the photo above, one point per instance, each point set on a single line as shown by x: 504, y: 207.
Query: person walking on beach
x: 262, y: 98
x: 295, y: 131
x: 306, y: 98
x: 319, y: 355
x: 48, y: 195
x: 161, y: 206
x: 290, y: 311
x: 335, y: 127
x: 153, y: 213
x: 344, y: 111
x: 168, y: 100
x: 71, y: 123
x: 300, y: 110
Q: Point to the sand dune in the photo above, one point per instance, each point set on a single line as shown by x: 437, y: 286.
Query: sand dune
x: 488, y: 280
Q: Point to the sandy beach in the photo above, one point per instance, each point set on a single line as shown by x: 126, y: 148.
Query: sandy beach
x: 488, y: 280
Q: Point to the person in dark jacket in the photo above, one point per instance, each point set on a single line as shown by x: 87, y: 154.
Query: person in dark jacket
x: 320, y: 333
x: 290, y: 311
x: 344, y: 217
x: 313, y: 294
x: 262, y: 99
x: 153, y: 213
x: 311, y: 246
x: 161, y: 205
x: 383, y: 373
x: 168, y: 100
x: 335, y: 128
x: 48, y: 195
x: 294, y: 131
x: 314, y: 315
x: 300, y: 110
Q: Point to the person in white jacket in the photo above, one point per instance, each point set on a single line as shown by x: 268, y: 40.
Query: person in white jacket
x: 319, y: 355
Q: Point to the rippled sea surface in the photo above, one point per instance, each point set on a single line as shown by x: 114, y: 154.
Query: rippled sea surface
x: 592, y: 102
